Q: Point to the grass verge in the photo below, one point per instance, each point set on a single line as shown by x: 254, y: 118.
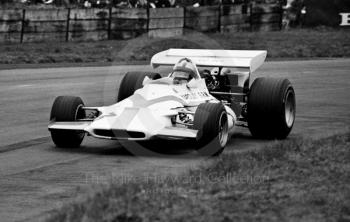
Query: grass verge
x: 293, y: 180
x: 303, y: 43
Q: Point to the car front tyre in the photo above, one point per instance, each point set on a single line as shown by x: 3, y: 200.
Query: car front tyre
x: 212, y: 124
x: 67, y: 109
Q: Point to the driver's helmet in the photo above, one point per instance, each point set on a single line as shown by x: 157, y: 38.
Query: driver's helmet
x: 183, y: 71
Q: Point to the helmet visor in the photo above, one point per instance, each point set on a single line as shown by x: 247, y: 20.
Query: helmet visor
x: 181, y: 75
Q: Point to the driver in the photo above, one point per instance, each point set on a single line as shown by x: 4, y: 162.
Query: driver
x: 183, y: 71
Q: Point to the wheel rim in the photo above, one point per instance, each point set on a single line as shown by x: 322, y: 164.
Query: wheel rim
x: 289, y: 108
x: 223, y: 130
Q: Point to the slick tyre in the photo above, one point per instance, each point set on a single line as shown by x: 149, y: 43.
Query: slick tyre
x: 133, y: 81
x: 211, y: 121
x: 271, y: 108
x: 67, y: 109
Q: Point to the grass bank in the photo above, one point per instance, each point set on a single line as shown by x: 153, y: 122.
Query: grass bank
x: 293, y: 180
x: 304, y: 43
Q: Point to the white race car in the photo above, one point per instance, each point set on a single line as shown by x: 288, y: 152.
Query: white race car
x: 204, y: 97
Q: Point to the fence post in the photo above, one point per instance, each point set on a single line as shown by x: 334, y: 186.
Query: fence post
x: 67, y: 25
x: 281, y: 16
x: 109, y: 23
x: 148, y: 7
x: 23, y: 24
x: 219, y: 21
x: 251, y: 16
x: 184, y: 23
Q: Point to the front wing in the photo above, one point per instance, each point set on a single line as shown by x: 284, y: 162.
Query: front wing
x: 166, y: 132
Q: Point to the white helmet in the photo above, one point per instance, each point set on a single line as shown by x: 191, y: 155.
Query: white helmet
x: 184, y: 70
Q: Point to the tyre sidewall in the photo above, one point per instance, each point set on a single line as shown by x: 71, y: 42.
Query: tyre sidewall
x: 67, y: 109
x: 266, y: 108
x: 206, y: 121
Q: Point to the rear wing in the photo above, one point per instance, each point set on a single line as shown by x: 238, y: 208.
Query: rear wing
x: 245, y: 59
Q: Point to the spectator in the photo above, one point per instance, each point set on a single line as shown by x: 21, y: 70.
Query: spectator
x: 294, y: 11
x: 87, y: 4
x: 172, y: 3
x: 142, y: 3
x: 162, y: 3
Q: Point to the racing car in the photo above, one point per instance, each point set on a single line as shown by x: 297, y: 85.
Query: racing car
x: 204, y: 98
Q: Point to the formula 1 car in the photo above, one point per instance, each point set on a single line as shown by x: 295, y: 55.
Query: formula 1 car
x: 203, y: 99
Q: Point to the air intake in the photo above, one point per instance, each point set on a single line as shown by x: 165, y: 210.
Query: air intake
x: 119, y: 134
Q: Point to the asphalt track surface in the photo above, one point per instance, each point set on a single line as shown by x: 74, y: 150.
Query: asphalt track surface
x: 36, y: 177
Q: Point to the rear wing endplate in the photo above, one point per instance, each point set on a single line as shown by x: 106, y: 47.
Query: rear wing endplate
x: 246, y: 59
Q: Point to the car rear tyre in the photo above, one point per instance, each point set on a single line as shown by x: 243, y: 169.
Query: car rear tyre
x: 271, y: 108
x: 133, y: 81
x: 211, y: 121
x: 67, y: 109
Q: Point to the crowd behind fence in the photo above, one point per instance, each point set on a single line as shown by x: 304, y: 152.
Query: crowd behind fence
x: 134, y: 3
